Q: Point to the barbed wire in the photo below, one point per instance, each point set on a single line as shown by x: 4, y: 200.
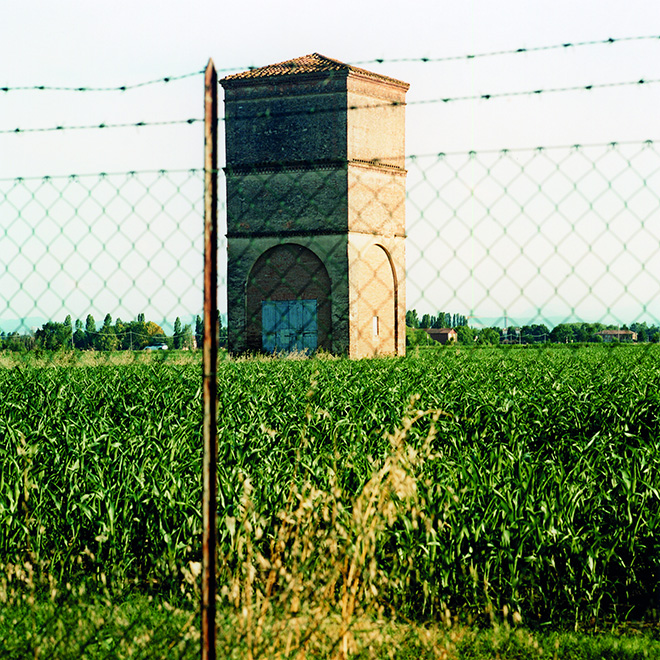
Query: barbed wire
x: 138, y: 124
x: 379, y: 60
x: 555, y: 147
x: 536, y: 92
x: 86, y: 88
x: 193, y: 171
x: 515, y: 51
x: 131, y: 173
x: 447, y: 99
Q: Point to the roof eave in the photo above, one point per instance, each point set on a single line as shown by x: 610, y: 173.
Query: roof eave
x: 262, y: 74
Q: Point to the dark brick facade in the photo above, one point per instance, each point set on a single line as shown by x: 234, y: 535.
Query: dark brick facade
x: 316, y: 201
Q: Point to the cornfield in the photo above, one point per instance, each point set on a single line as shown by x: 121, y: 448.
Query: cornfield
x: 451, y: 483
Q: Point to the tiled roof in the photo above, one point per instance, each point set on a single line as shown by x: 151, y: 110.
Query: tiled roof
x: 314, y: 63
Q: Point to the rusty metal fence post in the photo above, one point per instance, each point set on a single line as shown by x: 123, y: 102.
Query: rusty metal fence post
x: 209, y: 487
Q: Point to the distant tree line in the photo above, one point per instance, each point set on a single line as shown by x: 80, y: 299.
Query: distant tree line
x: 526, y: 334
x: 441, y: 320
x: 586, y: 332
x: 133, y: 335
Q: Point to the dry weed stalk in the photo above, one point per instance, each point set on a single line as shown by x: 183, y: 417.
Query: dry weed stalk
x: 302, y: 590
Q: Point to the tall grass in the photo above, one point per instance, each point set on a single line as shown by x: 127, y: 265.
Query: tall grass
x: 99, y: 469
x: 452, y: 487
x: 540, y: 493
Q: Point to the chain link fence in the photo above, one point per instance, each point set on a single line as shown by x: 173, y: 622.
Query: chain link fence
x: 537, y: 236
x: 504, y: 238
x: 108, y: 244
x: 520, y: 243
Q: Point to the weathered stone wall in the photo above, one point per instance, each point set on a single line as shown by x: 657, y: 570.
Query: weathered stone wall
x: 243, y: 254
x: 377, y: 288
x: 376, y: 121
x: 302, y: 199
x: 376, y: 200
x: 301, y: 119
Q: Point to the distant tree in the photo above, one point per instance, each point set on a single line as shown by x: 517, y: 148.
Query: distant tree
x: 107, y: 340
x: 140, y: 318
x: 120, y: 328
x: 154, y: 329
x: 79, y: 336
x: 46, y: 336
x: 177, y: 339
x: 19, y: 343
x: 527, y: 335
x: 512, y: 335
x: 412, y: 321
x: 90, y: 331
x: 199, y: 331
x: 417, y: 337
x: 68, y: 331
x: 562, y: 334
x: 465, y: 335
x: 426, y: 321
x: 186, y: 340
x: 587, y: 332
x: 642, y: 331
x: 53, y: 336
x: 532, y: 334
x: 489, y: 336
x: 135, y: 336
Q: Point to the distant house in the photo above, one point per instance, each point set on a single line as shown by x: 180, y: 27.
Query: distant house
x: 442, y: 335
x: 618, y: 335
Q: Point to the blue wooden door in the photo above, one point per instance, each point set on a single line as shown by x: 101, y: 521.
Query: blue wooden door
x: 289, y: 325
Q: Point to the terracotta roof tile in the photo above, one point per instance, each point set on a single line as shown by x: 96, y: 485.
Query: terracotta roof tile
x: 314, y: 63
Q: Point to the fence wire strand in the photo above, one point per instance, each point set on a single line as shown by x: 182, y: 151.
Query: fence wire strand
x: 527, y: 246
x: 549, y: 234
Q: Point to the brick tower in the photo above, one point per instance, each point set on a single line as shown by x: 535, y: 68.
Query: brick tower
x: 315, y: 208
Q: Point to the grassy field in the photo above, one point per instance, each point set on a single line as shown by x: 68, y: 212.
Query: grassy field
x: 465, y: 500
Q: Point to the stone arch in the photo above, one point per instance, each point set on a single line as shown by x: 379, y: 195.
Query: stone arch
x: 288, y: 272
x: 377, y: 303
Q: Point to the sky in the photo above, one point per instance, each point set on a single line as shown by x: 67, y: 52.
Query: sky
x: 77, y: 43
x: 83, y: 44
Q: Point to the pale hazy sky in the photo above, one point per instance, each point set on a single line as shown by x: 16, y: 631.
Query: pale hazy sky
x: 77, y: 43
x: 81, y: 43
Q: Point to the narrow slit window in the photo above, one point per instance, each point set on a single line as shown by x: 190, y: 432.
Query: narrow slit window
x: 375, y: 323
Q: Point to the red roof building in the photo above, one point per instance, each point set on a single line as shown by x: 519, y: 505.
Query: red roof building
x: 442, y: 335
x: 316, y: 190
x: 618, y: 335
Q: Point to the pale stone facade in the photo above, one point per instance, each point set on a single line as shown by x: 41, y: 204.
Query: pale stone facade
x: 316, y: 201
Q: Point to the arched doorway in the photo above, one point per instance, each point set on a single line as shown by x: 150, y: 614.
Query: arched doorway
x: 288, y: 301
x: 377, y: 303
